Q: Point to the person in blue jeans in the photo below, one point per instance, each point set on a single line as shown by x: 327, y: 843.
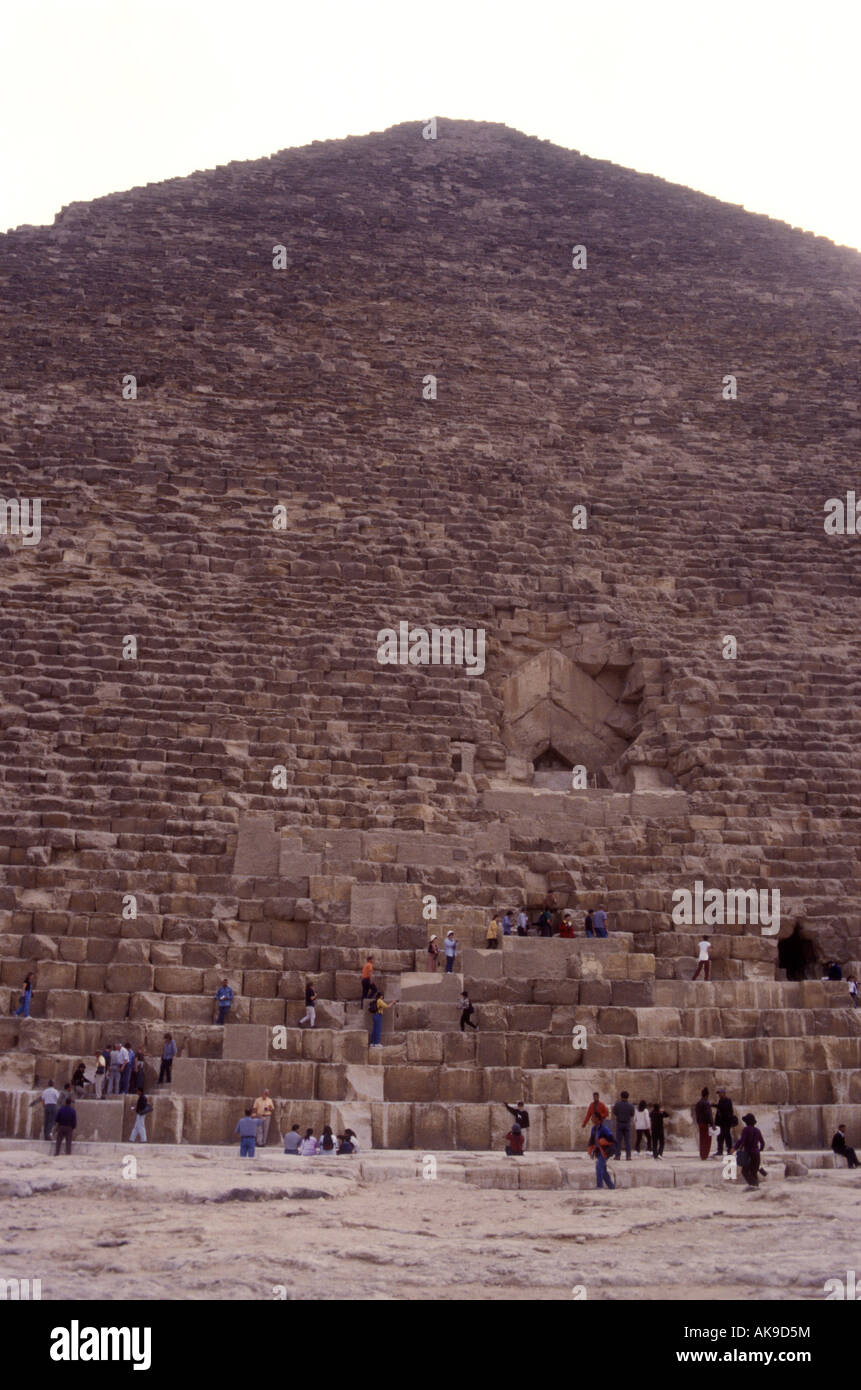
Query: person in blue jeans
x: 247, y: 1131
x: 224, y: 999
x: 602, y: 1145
x: 377, y: 1006
x: 26, y: 997
x: 599, y: 917
x: 449, y: 947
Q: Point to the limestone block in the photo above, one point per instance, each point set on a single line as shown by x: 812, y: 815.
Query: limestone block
x: 717, y: 1055
x: 481, y: 964
x: 222, y: 1078
x: 392, y: 1126
x: 331, y: 1082
x: 189, y: 1075
x: 652, y: 1052
x: 74, y: 1003
x: 813, y: 1087
x: 536, y: 957
x: 317, y: 1044
x: 412, y: 1083
x: 768, y: 1087
x: 490, y: 1049
x: 101, y: 1120
x: 17, y: 1071
x: 57, y: 975
x: 348, y: 986
x: 35, y: 947
x: 607, y: 1051
x: 372, y: 905
x: 617, y: 1020
x: 556, y: 992
x: 269, y: 1012
x: 539, y: 1174
x: 246, y: 1042
x: 503, y: 1084
x: 180, y: 1008
x: 88, y: 977
x: 471, y: 1126
x: 461, y: 1084
x: 559, y: 1051
x: 439, y: 988
x: 124, y: 979
x: 433, y: 1127
x: 258, y: 848
x: 522, y: 1050
x: 595, y: 991
x: 460, y: 1047
x: 425, y: 1047
x: 350, y: 1046
x: 363, y: 1083
x: 545, y: 1088
x: 804, y: 1127
x: 174, y: 979
x: 503, y: 1175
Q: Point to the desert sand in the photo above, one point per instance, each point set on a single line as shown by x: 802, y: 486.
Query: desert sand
x: 205, y: 1224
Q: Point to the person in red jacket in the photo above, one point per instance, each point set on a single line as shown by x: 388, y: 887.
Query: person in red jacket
x: 514, y: 1141
x: 597, y: 1111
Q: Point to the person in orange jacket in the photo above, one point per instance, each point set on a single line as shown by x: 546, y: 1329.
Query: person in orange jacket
x: 597, y: 1111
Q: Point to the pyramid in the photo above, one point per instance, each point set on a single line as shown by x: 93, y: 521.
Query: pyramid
x: 597, y: 427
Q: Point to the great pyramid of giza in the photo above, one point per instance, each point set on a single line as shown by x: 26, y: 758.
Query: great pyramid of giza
x: 598, y: 425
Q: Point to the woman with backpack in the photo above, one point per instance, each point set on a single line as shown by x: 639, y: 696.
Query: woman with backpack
x: 141, y: 1108
x: 376, y: 1009
x: 328, y: 1144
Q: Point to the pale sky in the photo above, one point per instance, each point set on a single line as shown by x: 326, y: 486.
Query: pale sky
x: 755, y: 103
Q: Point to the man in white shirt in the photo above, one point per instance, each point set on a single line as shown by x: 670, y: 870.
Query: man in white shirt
x: 522, y: 922
x: 703, y: 958
x: 49, y: 1100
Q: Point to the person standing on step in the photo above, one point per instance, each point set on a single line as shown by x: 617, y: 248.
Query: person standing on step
x: 128, y: 1068
x: 597, y: 1111
x: 749, y: 1146
x: 310, y: 1014
x: 602, y: 1146
x: 367, y: 979
x: 656, y: 1120
x: 523, y: 922
x: 521, y: 1116
x: 853, y: 991
x: 433, y: 954
x: 599, y: 917
x: 449, y: 947
x: 377, y: 1009
x: 838, y: 1146
x: 642, y: 1127
x: 491, y: 936
x: 545, y: 918
x: 506, y: 922
x: 100, y: 1076
x: 466, y: 1012
x: 67, y: 1121
x: 26, y: 996
x: 725, y: 1119
x: 168, y: 1052
x: 50, y: 1102
x: 116, y: 1060
x: 224, y: 1000
x: 246, y: 1128
x: 263, y: 1109
x: 703, y: 960
x: 514, y: 1141
x: 703, y: 1117
x: 590, y: 923
x: 141, y: 1108
x: 623, y: 1114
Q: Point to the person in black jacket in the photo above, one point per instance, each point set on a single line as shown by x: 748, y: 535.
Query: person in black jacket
x: 521, y: 1117
x: 839, y: 1146
x: 67, y: 1120
x: 725, y: 1118
x: 657, y: 1117
x: 703, y: 1117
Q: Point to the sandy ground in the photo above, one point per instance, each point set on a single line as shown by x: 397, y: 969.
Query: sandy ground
x: 205, y: 1224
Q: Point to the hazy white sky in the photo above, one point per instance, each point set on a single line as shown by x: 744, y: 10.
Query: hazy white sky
x: 756, y: 103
